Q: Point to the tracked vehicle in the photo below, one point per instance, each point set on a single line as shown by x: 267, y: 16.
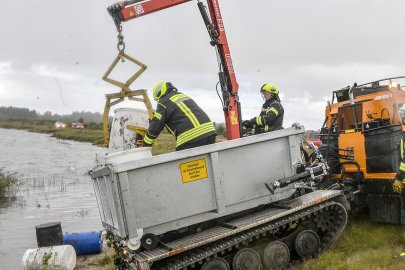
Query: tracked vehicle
x: 246, y: 203
x: 212, y: 207
x: 361, y: 144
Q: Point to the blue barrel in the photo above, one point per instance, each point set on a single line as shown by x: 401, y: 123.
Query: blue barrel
x: 84, y: 242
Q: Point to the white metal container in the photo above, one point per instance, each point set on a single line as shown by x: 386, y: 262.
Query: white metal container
x: 55, y: 257
x: 122, y: 138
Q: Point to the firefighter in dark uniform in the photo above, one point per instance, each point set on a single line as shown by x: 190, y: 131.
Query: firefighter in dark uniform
x: 272, y: 114
x: 182, y: 117
x: 400, y: 178
x: 399, y: 182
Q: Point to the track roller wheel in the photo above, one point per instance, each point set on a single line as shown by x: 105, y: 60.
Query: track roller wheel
x: 276, y: 255
x: 246, y: 259
x: 149, y: 241
x: 136, y: 247
x: 216, y: 264
x: 307, y: 243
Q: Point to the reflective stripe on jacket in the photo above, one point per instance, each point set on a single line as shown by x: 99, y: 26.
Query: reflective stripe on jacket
x: 401, y: 171
x: 182, y: 117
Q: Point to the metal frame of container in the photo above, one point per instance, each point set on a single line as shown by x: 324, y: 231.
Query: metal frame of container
x: 171, y: 191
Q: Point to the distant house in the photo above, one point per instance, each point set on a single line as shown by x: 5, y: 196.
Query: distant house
x: 77, y: 125
x: 60, y: 125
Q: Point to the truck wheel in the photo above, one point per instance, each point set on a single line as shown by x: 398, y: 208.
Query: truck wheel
x: 276, y: 255
x: 149, y: 241
x: 216, y: 264
x: 307, y: 243
x: 246, y: 259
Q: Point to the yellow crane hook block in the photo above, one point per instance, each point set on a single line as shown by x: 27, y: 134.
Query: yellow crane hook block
x: 126, y: 92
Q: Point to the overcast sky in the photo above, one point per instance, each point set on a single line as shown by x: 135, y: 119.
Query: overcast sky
x: 54, y: 53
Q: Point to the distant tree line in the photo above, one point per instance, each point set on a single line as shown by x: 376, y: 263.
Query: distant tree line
x: 14, y: 113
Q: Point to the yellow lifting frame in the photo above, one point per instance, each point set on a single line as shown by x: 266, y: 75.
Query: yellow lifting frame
x: 115, y: 98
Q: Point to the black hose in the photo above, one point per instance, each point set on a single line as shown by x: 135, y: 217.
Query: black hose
x: 358, y: 169
x: 216, y: 88
x: 384, y: 109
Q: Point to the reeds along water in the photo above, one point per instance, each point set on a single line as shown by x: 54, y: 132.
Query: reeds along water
x: 8, y: 184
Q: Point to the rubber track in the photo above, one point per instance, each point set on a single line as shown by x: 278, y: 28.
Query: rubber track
x: 329, y: 217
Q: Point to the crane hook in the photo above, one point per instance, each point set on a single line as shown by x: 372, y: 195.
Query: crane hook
x: 121, y: 43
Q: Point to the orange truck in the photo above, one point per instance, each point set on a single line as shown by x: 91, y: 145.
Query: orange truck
x: 361, y: 144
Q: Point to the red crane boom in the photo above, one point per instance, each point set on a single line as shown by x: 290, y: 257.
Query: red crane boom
x: 128, y: 10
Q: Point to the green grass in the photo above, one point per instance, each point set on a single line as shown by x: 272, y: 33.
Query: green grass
x: 107, y: 263
x: 8, y: 184
x: 364, y: 245
x: 165, y: 143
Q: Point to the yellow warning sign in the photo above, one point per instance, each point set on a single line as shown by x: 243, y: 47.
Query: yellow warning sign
x: 234, y: 119
x: 193, y: 170
x: 131, y: 14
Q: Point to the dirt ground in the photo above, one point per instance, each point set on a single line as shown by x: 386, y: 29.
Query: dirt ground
x: 95, y: 262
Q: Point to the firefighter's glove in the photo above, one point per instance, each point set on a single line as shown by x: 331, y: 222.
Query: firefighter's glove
x: 397, y: 186
x: 247, y: 124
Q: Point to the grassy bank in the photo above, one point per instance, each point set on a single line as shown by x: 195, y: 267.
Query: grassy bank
x: 34, y: 126
x: 94, y: 136
x: 164, y: 144
x: 82, y: 135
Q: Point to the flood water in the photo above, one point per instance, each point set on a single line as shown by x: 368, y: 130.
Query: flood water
x: 54, y: 187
